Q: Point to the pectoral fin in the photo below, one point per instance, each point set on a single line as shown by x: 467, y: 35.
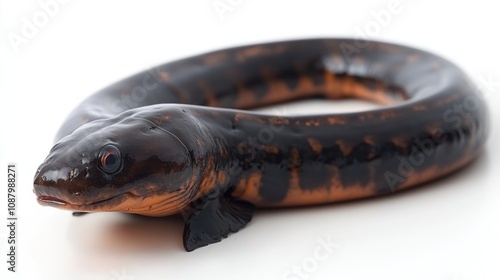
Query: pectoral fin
x: 212, y: 217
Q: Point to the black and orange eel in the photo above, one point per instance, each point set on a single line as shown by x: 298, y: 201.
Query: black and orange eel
x: 175, y: 138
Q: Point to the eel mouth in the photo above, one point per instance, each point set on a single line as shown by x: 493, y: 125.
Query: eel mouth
x: 50, y: 200
x: 109, y: 203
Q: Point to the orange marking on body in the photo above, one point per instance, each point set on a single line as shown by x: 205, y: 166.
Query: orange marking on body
x: 240, y: 187
x: 223, y: 152
x: 413, y: 58
x: 211, y: 100
x: 370, y: 139
x: 251, y: 187
x: 312, y: 122
x: 221, y: 178
x: 437, y: 132
x: 402, y: 143
x: 294, y: 170
x: 335, y: 181
x: 315, y: 145
x: 306, y: 84
x: 159, y: 205
x: 250, y: 52
x: 337, y: 87
x: 366, y: 116
x: 272, y: 149
x: 345, y: 147
x: 277, y: 91
x: 432, y: 173
x: 419, y: 107
x: 336, y: 120
x: 246, y: 97
x: 295, y: 157
x: 330, y: 86
x: 279, y: 121
x: 215, y: 58
x: 209, y: 179
x: 164, y: 76
x: 384, y: 115
x: 161, y: 119
x: 447, y: 100
x: 255, y: 118
x: 257, y: 51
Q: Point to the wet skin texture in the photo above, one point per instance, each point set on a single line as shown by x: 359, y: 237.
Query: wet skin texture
x: 154, y: 144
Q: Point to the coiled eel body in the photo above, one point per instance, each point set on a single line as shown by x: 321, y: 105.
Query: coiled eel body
x: 176, y: 138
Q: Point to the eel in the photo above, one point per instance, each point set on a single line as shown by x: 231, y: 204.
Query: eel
x: 179, y: 138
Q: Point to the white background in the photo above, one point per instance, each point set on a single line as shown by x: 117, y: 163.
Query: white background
x: 449, y: 229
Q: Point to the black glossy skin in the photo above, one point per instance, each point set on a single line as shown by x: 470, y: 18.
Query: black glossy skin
x: 176, y: 155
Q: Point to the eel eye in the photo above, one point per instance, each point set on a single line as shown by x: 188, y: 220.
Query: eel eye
x: 109, y: 159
